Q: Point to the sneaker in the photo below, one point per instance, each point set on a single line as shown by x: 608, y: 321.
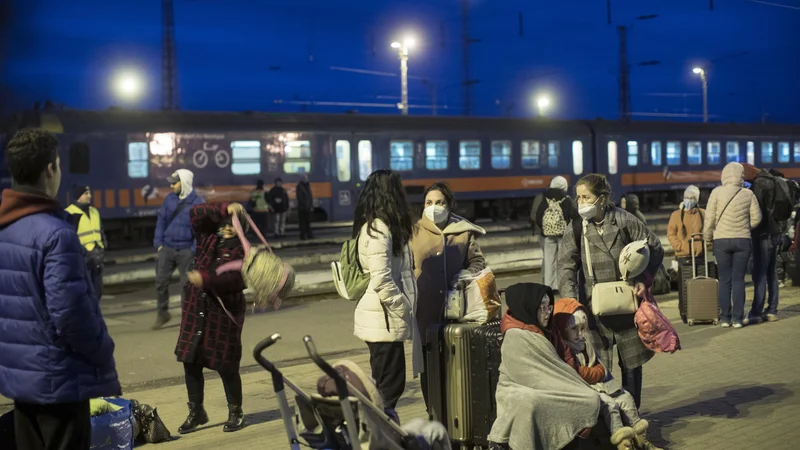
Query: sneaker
x: 724, y: 325
x: 161, y: 320
x: 751, y: 321
x: 737, y: 325
x: 770, y: 318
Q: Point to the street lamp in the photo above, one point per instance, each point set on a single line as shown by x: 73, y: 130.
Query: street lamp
x: 702, y: 73
x: 128, y: 85
x: 543, y: 102
x: 402, y: 53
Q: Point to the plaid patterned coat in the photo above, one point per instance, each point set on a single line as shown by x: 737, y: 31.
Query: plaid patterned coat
x: 207, y: 334
x: 619, y: 228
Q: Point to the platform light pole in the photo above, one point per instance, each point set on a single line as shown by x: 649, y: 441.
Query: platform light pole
x: 402, y: 53
x: 704, y: 78
x: 543, y: 102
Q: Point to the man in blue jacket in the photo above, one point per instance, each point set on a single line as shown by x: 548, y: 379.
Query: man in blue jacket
x: 55, y: 351
x: 174, y: 238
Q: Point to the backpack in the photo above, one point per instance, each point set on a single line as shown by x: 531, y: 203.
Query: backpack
x: 553, y: 222
x: 655, y: 330
x: 782, y: 204
x: 349, y: 277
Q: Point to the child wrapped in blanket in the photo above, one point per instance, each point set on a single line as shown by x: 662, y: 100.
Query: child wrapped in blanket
x: 571, y: 321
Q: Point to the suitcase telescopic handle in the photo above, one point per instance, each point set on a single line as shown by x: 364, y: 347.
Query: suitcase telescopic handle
x: 705, y: 254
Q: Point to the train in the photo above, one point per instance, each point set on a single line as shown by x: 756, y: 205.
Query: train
x: 494, y: 165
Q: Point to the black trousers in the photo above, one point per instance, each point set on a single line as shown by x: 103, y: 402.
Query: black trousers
x: 63, y: 426
x: 304, y: 217
x: 195, y: 384
x: 388, y: 363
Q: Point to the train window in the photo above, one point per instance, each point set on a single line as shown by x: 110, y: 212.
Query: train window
x: 501, y: 154
x: 612, y: 157
x: 79, y: 158
x: 138, y: 164
x: 343, y: 161
x: 246, y: 157
x: 797, y: 152
x: 732, y: 152
x: 402, y: 155
x: 577, y: 157
x: 530, y: 154
x: 713, y: 153
x: 694, y: 153
x: 364, y: 159
x: 297, y: 157
x: 751, y: 152
x: 767, y: 156
x: 673, y: 153
x: 469, y: 155
x: 783, y: 152
x: 436, y: 155
x: 633, y: 153
x: 655, y: 153
x: 553, y: 149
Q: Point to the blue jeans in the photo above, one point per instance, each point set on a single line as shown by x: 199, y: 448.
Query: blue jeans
x: 765, y: 277
x: 732, y: 256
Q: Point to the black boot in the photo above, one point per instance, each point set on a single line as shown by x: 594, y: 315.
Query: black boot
x: 197, y: 417
x: 235, y: 418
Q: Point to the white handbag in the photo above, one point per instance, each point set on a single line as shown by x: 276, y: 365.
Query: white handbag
x: 611, y: 298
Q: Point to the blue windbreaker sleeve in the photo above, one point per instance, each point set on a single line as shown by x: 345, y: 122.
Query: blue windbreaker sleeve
x: 161, y: 225
x: 70, y: 301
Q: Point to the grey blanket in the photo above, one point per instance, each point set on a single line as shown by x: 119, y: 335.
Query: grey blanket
x: 542, y: 403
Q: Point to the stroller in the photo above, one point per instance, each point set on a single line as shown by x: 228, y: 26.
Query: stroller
x: 330, y: 422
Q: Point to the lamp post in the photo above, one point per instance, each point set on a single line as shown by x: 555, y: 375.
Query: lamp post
x: 704, y: 78
x: 402, y: 53
x: 128, y: 85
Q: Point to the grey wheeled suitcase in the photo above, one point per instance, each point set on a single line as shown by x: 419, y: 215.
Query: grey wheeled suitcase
x: 702, y: 304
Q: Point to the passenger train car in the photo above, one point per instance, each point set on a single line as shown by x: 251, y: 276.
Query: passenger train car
x: 495, y: 166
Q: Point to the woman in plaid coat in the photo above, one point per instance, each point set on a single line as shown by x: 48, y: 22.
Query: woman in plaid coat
x: 608, y: 230
x: 211, y: 337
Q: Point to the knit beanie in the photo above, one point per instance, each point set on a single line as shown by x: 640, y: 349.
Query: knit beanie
x: 77, y: 191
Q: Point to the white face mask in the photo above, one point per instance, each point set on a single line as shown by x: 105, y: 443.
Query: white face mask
x: 588, y: 212
x: 436, y: 213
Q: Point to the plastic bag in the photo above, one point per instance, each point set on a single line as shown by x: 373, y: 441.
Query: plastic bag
x: 113, y: 430
x: 479, y: 302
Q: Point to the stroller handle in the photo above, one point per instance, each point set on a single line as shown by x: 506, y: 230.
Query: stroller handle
x: 341, y: 383
x: 277, y: 376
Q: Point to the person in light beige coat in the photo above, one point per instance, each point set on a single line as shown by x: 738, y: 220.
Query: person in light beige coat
x: 732, y: 212
x: 384, y: 316
x: 445, y: 247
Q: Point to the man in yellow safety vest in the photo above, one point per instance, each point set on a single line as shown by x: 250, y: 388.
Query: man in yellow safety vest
x: 90, y: 233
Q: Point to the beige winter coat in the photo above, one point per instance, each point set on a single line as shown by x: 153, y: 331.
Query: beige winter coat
x: 741, y: 215
x: 439, y: 257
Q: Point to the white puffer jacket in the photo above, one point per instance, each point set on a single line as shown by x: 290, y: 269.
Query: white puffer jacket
x: 742, y: 213
x: 386, y: 311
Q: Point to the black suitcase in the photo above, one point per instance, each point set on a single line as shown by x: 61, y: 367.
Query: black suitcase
x: 463, y: 368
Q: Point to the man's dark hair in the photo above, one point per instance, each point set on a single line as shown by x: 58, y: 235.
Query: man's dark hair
x: 28, y: 153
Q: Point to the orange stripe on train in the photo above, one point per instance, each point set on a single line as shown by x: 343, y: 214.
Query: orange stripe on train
x: 686, y: 177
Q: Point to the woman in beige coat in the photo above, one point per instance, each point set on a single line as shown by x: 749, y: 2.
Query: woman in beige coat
x: 731, y: 214
x: 445, y: 247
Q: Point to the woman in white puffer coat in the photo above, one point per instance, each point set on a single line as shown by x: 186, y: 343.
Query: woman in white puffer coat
x: 731, y: 214
x: 384, y: 317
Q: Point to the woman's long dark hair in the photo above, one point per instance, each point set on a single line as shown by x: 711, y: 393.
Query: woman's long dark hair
x: 384, y: 198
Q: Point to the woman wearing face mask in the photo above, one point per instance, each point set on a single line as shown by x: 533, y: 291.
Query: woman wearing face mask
x: 608, y: 230
x: 445, y: 247
x: 685, y: 222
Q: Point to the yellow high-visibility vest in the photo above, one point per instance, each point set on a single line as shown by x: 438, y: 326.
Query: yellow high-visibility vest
x: 88, y: 227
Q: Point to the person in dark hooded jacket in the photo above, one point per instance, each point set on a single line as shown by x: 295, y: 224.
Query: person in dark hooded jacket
x: 631, y: 204
x: 55, y: 351
x: 305, y: 206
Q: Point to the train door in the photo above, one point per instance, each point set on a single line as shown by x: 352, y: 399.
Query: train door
x: 353, y: 164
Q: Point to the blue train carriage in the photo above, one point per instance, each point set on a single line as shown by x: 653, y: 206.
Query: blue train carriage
x: 495, y: 166
x: 657, y: 160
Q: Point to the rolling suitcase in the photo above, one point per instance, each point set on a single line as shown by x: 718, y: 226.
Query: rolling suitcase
x: 686, y: 272
x: 463, y: 368
x: 701, y: 295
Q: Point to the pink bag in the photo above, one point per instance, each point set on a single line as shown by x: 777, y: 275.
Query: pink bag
x: 655, y: 330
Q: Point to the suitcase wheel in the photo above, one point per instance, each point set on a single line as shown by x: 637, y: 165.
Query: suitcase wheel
x: 715, y: 322
x: 691, y: 322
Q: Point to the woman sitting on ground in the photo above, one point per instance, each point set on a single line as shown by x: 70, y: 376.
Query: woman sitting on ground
x: 542, y: 402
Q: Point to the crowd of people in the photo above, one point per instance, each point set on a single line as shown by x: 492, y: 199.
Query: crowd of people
x: 557, y: 355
